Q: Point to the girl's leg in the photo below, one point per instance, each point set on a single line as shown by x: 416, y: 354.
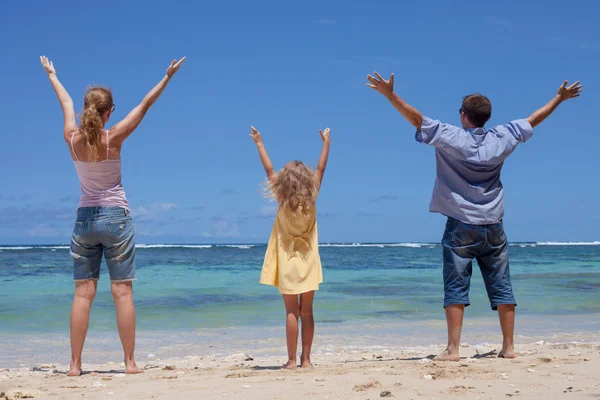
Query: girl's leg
x: 85, y: 291
x: 123, y: 295
x: 292, y: 311
x: 308, y: 326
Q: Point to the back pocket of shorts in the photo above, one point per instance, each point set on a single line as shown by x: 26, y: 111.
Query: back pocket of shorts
x: 465, y: 235
x: 79, y: 230
x: 120, y: 230
x: 496, y: 235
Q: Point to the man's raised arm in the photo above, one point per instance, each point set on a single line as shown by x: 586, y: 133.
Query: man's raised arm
x: 386, y: 88
x: 564, y: 93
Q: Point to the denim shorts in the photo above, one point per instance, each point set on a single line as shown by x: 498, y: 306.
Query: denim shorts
x: 107, y: 230
x: 488, y: 245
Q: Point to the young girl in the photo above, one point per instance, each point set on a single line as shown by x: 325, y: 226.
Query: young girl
x: 292, y: 261
x: 104, y: 223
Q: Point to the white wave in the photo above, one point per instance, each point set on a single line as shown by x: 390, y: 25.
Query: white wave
x: 415, y: 245
x: 237, y: 246
x: 378, y: 245
x: 597, y: 243
x: 33, y: 247
x: 173, y: 246
x: 350, y: 245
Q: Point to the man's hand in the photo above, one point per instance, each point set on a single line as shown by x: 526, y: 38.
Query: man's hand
x: 174, y: 67
x: 325, y: 135
x: 255, y: 135
x: 48, y: 66
x: 568, y: 92
x: 384, y: 87
x: 564, y: 93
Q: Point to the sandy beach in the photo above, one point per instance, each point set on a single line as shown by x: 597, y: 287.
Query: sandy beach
x: 542, y: 370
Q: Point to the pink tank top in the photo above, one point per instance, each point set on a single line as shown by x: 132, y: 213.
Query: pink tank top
x: 100, y: 182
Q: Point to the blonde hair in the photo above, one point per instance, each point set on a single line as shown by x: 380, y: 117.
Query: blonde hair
x: 295, y: 188
x: 97, y: 101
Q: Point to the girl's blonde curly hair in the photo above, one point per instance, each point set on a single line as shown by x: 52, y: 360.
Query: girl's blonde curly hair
x: 295, y: 188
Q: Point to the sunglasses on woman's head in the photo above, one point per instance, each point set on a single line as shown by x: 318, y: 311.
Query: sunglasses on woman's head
x: 113, y: 108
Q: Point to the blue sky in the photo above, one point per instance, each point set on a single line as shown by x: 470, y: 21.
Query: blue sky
x: 191, y: 172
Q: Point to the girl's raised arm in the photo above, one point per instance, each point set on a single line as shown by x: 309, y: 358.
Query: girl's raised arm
x: 125, y: 127
x: 70, y: 125
x: 262, y: 152
x: 324, y: 155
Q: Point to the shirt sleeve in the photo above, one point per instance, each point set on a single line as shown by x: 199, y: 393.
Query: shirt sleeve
x: 502, y: 140
x: 438, y: 134
x: 519, y: 130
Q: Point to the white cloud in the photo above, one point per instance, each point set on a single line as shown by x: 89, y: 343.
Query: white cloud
x: 326, y: 21
x: 151, y: 212
x: 223, y: 228
x: 574, y: 43
x: 505, y: 23
x: 268, y: 211
x: 42, y: 230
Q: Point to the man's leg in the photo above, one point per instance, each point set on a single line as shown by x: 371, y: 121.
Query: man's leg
x: 454, y: 319
x: 506, y: 312
x: 460, y: 245
x: 495, y: 270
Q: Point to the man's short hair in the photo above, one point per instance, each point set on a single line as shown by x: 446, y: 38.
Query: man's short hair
x: 477, y: 108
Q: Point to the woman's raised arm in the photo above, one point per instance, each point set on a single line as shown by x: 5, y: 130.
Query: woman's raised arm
x: 70, y: 125
x: 127, y: 125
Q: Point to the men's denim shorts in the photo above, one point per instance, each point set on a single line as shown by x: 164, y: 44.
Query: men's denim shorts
x: 107, y: 230
x: 488, y: 245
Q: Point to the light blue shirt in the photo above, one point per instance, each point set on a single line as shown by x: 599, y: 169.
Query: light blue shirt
x: 468, y: 163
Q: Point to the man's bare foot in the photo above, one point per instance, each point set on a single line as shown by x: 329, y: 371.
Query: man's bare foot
x: 507, y: 354
x: 74, y: 370
x: 447, y: 355
x: 132, y: 368
x: 306, y: 363
x: 291, y: 364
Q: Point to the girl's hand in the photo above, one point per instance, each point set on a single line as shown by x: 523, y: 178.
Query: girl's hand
x: 47, y: 64
x: 325, y: 135
x: 255, y: 135
x: 174, y: 67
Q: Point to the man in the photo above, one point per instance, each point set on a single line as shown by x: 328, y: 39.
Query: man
x: 469, y: 192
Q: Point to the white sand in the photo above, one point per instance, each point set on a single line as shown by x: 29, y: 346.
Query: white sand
x: 543, y: 371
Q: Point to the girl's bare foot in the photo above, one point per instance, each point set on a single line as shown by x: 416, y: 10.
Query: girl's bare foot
x: 508, y: 353
x: 74, y: 370
x: 447, y: 355
x: 131, y: 368
x: 291, y: 364
x: 306, y: 363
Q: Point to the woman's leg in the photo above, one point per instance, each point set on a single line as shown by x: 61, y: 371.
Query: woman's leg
x: 123, y: 295
x: 292, y: 311
x: 308, y: 326
x: 85, y: 291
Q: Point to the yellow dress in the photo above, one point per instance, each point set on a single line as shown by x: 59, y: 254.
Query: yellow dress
x: 292, y: 261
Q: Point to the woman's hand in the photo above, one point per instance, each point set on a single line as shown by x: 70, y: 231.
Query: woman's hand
x: 174, y: 67
x: 48, y: 66
x: 255, y: 135
x: 325, y: 135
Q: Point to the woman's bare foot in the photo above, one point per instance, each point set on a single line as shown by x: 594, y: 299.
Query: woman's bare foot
x: 305, y: 363
x: 447, y: 355
x: 291, y: 364
x: 131, y: 368
x: 74, y: 370
x: 508, y: 353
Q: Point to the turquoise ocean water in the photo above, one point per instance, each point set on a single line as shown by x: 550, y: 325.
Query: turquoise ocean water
x: 209, y: 291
